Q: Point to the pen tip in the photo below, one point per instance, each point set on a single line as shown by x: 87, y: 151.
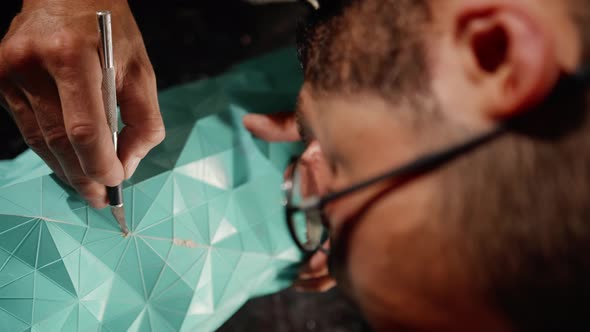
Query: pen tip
x: 119, y: 214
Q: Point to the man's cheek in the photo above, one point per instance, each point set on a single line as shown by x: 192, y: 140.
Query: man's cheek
x: 322, y: 174
x: 337, y: 263
x: 340, y: 247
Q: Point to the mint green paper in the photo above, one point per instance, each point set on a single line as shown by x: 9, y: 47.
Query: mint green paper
x: 207, y: 227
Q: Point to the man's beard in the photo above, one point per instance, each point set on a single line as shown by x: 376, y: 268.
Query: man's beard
x: 520, y: 206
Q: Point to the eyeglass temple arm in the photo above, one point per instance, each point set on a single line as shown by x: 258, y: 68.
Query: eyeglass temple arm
x: 421, y: 165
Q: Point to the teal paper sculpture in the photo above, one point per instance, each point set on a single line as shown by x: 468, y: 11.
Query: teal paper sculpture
x: 207, y: 227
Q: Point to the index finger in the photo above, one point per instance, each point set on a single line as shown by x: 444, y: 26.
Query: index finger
x: 78, y: 78
x: 277, y: 127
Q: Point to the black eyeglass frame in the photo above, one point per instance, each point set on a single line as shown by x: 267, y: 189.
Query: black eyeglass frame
x: 419, y: 166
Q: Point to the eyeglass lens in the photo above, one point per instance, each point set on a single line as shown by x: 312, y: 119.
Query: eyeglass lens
x: 309, y: 229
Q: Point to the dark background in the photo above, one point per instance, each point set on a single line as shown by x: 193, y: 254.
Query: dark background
x: 194, y: 39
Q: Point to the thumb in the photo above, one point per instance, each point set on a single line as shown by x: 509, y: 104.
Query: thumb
x: 144, y: 127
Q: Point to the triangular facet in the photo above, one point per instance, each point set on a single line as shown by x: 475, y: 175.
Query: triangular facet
x: 48, y: 252
x: 58, y: 273
x: 9, y: 322
x: 13, y: 269
x: 28, y: 249
x: 162, y: 230
x: 77, y: 233
x: 161, y: 247
x: 22, y: 199
x: 55, y: 321
x: 21, y: 288
x: 71, y: 322
x: 65, y: 243
x: 20, y: 308
x: 47, y: 289
x: 192, y: 191
x: 159, y: 323
x: 130, y: 270
x: 11, y: 239
x: 151, y: 266
x: 46, y: 308
x: 93, y: 273
x: 8, y: 222
x: 102, y: 219
x: 88, y: 321
x: 185, y: 228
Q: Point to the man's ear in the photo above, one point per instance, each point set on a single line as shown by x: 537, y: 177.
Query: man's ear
x: 507, y: 55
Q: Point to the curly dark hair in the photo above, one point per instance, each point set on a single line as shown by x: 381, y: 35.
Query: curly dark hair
x: 352, y: 45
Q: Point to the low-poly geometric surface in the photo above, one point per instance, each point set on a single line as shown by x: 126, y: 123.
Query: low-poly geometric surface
x: 207, y: 226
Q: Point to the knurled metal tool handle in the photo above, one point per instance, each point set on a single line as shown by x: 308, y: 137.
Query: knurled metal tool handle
x: 109, y: 91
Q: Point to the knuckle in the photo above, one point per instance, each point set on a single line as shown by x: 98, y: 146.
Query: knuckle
x: 99, y: 172
x: 35, y: 142
x: 149, y: 73
x: 146, y: 70
x: 82, y: 134
x: 156, y: 135
x: 57, y: 139
x: 63, y: 49
x: 18, y: 109
x: 79, y: 182
x: 141, y: 69
x: 86, y: 187
x: 17, y: 52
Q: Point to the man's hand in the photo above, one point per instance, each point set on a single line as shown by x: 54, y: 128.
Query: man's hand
x: 50, y: 78
x: 314, y: 275
x: 277, y: 127
x: 282, y: 127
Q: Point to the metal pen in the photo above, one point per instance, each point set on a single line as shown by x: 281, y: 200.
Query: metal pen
x: 109, y: 96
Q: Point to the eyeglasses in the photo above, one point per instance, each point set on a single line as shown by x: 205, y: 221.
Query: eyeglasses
x: 305, y: 213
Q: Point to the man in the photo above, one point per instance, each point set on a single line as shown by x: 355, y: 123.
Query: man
x: 490, y: 229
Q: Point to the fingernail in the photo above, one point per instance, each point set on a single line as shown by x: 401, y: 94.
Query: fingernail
x: 131, y: 167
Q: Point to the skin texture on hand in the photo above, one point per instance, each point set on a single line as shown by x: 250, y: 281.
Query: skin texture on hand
x: 50, y: 79
x: 280, y: 127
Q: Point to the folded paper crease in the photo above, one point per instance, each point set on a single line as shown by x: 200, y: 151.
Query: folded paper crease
x: 203, y: 208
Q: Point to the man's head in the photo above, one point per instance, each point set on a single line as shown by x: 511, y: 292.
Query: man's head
x: 495, y: 240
